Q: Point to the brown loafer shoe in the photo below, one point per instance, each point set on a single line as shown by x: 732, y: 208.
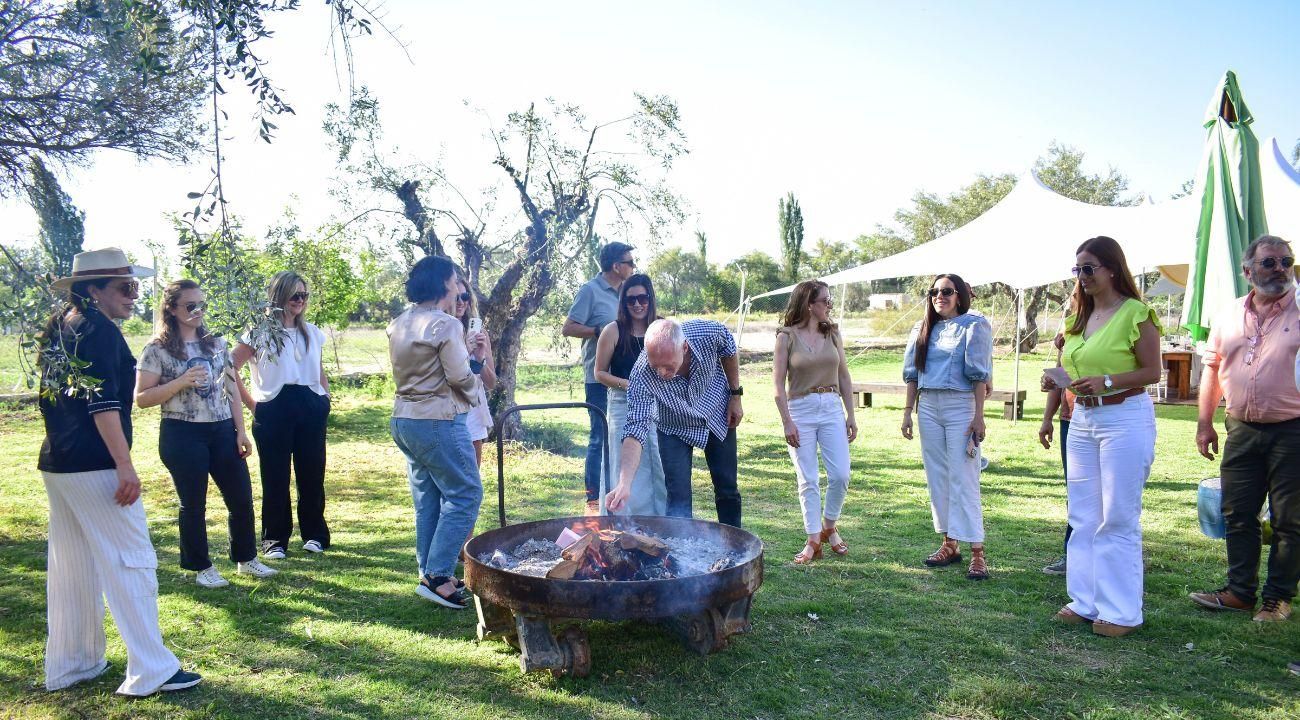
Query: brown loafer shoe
x: 1069, y: 617
x: 1221, y: 599
x: 1109, y: 629
x: 1273, y: 610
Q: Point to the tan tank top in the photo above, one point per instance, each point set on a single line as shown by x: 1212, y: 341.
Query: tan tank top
x: 805, y: 369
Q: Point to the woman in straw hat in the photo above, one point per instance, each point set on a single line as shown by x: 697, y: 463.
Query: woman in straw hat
x: 99, y: 545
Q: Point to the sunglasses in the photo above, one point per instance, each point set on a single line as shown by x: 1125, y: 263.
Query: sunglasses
x: 636, y: 300
x: 1269, y: 263
x: 946, y: 292
x: 129, y: 288
x: 629, y: 262
x: 299, y: 297
x: 1088, y: 270
x: 463, y: 297
x: 196, y: 307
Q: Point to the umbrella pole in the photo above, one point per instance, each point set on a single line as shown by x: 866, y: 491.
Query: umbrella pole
x: 1015, y: 411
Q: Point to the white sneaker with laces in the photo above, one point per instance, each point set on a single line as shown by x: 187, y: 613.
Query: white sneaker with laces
x: 255, y: 568
x: 313, y: 546
x: 210, y: 578
x: 274, y: 552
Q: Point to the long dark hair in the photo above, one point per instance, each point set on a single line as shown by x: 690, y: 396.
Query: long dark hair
x: 932, y: 315
x: 797, y: 309
x: 1111, y: 256
x: 168, y: 336
x: 624, y: 318
x: 71, y: 315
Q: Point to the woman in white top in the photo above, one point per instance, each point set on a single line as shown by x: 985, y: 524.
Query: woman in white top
x: 289, y: 397
x: 187, y: 371
x: 479, y: 421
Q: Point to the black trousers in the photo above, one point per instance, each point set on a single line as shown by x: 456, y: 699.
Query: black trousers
x: 720, y: 455
x: 290, y: 429
x: 1065, y: 470
x: 1262, y: 460
x: 192, y: 451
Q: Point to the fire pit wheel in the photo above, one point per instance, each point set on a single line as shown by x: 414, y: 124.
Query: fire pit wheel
x: 576, y: 652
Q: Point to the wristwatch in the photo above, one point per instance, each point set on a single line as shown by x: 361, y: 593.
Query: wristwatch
x: 737, y: 392
x: 1108, y: 382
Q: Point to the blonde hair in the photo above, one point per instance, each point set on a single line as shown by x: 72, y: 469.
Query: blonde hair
x: 278, y: 292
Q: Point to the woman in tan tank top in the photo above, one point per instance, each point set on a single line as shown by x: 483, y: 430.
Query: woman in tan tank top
x: 812, y: 382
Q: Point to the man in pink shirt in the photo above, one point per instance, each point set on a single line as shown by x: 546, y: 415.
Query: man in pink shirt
x: 1250, y: 358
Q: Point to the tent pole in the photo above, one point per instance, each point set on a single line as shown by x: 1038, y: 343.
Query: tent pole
x: 1015, y: 414
x: 743, y: 308
x: 844, y: 301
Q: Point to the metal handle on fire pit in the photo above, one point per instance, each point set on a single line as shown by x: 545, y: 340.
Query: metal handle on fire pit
x: 501, y: 465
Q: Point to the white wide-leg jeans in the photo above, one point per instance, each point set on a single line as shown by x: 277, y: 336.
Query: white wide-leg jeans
x: 819, y: 418
x: 100, y: 549
x: 649, y: 494
x: 944, y: 418
x: 1110, y: 451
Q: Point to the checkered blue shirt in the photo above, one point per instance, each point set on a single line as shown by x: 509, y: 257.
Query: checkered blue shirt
x: 687, y: 407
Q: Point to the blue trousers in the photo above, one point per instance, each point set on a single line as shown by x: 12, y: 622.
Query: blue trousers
x: 445, y: 488
x: 720, y: 455
x: 595, y: 395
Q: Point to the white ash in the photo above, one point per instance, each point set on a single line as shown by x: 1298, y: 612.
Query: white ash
x: 689, y: 556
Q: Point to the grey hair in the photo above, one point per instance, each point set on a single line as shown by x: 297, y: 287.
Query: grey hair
x: 664, y: 334
x: 1262, y: 240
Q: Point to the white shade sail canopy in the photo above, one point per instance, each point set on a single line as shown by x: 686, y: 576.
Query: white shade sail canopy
x: 1029, y: 238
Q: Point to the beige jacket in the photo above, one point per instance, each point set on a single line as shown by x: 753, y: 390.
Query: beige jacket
x: 430, y: 366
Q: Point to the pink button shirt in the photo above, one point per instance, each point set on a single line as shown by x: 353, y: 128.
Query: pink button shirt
x: 1255, y: 358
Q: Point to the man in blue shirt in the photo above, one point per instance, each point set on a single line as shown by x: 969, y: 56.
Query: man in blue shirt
x: 595, y: 307
x: 687, y: 382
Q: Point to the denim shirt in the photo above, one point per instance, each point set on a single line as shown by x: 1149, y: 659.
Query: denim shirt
x: 960, y: 355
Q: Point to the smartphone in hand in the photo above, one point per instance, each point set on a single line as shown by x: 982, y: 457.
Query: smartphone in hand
x: 475, y: 325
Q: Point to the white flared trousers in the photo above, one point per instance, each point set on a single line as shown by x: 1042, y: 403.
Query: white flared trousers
x: 819, y: 418
x: 1110, y: 450
x: 99, y: 549
x: 944, y: 418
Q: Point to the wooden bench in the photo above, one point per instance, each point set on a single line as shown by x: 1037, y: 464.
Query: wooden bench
x: 1013, y: 403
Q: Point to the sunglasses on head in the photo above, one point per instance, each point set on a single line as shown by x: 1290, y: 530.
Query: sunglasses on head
x: 1269, y: 263
x: 636, y: 300
x: 299, y: 297
x: 463, y: 297
x: 1084, y: 269
x: 946, y: 292
x: 193, y: 307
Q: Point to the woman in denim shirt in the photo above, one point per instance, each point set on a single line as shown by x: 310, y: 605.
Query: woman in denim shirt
x: 949, y: 359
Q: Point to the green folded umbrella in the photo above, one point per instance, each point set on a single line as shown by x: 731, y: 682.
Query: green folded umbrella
x: 1232, y: 208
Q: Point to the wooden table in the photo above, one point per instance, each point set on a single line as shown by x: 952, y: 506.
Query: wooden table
x: 1179, y: 364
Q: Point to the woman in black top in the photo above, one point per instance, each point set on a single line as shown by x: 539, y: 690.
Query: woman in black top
x: 99, y: 545
x: 620, y: 345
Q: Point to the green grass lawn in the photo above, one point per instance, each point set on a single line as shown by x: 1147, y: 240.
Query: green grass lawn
x: 872, y: 635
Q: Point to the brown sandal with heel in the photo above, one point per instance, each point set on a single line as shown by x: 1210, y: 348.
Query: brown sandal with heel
x: 805, y: 557
x: 839, y: 548
x: 947, y: 554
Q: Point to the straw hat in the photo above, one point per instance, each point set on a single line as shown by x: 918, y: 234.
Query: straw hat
x: 100, y: 264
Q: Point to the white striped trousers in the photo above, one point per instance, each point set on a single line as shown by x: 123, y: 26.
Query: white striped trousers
x: 99, y: 549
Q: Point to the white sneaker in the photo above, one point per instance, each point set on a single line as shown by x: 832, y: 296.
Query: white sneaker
x: 255, y: 568
x: 313, y: 546
x: 210, y: 578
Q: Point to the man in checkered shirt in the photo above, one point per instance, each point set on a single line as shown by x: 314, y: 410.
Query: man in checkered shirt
x: 687, y: 384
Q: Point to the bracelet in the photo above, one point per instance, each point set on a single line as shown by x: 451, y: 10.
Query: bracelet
x: 908, y: 408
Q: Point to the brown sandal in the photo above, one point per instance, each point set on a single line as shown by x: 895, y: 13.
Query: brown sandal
x: 947, y: 554
x: 979, y: 569
x: 804, y: 558
x: 839, y: 548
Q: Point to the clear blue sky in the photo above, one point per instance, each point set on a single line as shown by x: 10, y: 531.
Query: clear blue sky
x: 853, y: 106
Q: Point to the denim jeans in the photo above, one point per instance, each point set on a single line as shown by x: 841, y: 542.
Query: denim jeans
x: 192, y: 451
x: 944, y: 418
x: 290, y: 429
x: 595, y: 395
x: 720, y: 455
x: 445, y: 488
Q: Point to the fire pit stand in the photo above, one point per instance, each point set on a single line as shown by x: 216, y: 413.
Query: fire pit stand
x: 537, y: 615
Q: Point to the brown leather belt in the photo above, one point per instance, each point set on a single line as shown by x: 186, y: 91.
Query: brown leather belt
x: 1093, y: 401
x: 824, y: 389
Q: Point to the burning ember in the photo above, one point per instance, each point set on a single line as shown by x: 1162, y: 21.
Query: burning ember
x: 588, y: 552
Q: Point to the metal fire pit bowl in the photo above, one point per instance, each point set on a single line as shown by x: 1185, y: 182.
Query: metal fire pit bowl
x: 705, y: 610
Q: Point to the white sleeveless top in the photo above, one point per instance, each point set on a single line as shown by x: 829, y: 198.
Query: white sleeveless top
x: 293, y: 365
